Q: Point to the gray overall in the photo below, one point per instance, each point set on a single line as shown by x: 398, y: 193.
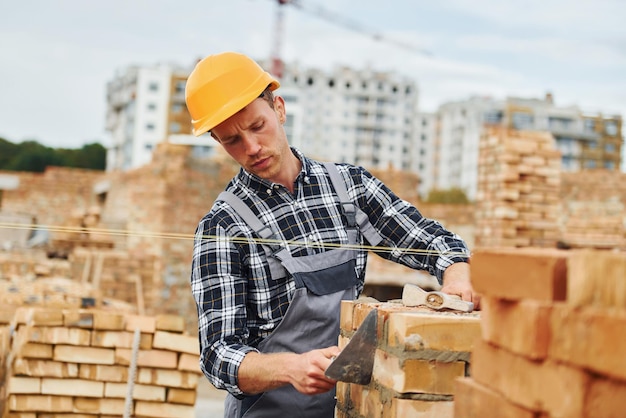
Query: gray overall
x: 312, y: 319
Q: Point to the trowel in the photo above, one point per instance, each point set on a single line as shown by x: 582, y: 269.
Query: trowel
x: 356, y: 361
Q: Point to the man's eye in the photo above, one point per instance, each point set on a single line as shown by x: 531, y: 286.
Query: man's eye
x: 257, y: 126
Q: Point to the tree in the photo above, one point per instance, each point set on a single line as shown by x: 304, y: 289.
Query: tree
x: 32, y: 156
x: 454, y: 195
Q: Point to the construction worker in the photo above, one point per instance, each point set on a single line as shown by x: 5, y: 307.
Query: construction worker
x: 284, y: 244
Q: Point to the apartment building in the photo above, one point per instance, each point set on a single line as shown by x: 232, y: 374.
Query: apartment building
x: 146, y: 106
x: 586, y: 141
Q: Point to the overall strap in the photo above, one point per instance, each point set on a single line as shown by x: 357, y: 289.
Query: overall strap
x: 356, y: 217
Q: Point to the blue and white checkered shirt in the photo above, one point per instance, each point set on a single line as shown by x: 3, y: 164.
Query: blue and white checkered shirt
x: 238, y: 302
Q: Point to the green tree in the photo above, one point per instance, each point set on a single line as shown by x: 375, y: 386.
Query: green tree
x: 32, y: 156
x: 8, y: 150
x: 454, y: 195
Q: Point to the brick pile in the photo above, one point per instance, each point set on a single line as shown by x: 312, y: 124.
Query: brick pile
x: 594, y: 209
x: 552, y: 335
x: 78, y: 363
x: 518, y: 201
x: 31, y: 264
x: 420, y: 354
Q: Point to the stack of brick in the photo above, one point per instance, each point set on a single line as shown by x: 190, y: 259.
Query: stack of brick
x: 518, y: 189
x: 594, y: 209
x: 420, y: 353
x: 31, y: 265
x: 553, y: 338
x: 80, y: 363
x: 6, y: 317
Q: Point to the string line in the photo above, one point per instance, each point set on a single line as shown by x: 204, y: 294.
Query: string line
x: 269, y: 241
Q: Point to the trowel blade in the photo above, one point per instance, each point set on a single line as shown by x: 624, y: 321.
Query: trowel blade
x: 356, y: 361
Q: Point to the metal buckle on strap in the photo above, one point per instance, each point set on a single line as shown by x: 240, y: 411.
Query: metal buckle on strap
x: 350, y: 211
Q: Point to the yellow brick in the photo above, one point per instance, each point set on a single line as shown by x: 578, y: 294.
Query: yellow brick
x: 169, y: 378
x: 172, y: 323
x: 160, y: 410
x: 103, y: 373
x: 140, y: 392
x: 41, y: 368
x: 91, y: 355
x: 145, y: 324
x: 148, y: 358
x: 19, y: 384
x: 183, y: 396
x: 99, y: 406
x: 95, y: 320
x: 347, y: 306
x: 596, y: 278
x: 34, y: 350
x: 54, y: 335
x: 48, y: 403
x: 176, y: 342
x: 72, y: 387
x: 122, y: 339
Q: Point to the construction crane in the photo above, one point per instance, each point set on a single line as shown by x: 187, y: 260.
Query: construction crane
x: 277, y: 64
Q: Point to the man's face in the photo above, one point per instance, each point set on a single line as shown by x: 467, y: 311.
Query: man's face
x: 255, y: 138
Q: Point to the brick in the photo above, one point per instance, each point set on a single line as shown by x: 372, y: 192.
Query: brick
x: 342, y: 393
x: 103, y: 373
x: 140, y: 392
x: 522, y: 327
x: 161, y: 410
x: 535, y: 385
x: 189, y: 362
x: 91, y: 355
x: 54, y: 335
x: 71, y: 387
x: 473, y: 400
x: 605, y: 399
x: 416, y: 408
x: 366, y: 401
x: 597, y: 278
x: 23, y: 415
x: 183, y: 396
x: 169, y: 378
x: 432, y: 331
x: 122, y: 339
x: 416, y: 376
x: 19, y: 384
x: 146, y: 324
x: 44, y: 368
x: 520, y: 273
x: 345, y: 315
x: 95, y: 320
x: 99, y: 406
x: 35, y: 350
x: 148, y: 358
x: 43, y: 403
x: 41, y: 316
x: 176, y: 342
x: 590, y: 337
x: 173, y: 323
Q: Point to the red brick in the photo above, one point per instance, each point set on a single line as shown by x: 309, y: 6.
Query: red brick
x: 590, y: 337
x: 473, y: 400
x: 605, y: 399
x: 520, y: 273
x: 597, y: 278
x: 538, y: 386
x: 416, y: 376
x: 522, y: 327
x: 417, y: 408
x: 432, y: 331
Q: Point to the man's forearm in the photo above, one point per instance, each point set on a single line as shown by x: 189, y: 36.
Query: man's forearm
x: 260, y: 372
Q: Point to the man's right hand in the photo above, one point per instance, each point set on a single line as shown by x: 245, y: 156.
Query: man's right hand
x: 260, y: 372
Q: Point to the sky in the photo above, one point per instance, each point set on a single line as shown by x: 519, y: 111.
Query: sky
x: 57, y: 56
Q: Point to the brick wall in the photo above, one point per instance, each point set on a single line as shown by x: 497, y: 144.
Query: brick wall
x: 552, y: 340
x: 420, y: 353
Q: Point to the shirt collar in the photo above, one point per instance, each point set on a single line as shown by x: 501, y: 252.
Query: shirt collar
x: 256, y: 183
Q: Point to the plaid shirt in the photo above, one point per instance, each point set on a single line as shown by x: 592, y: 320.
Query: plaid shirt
x: 239, y: 304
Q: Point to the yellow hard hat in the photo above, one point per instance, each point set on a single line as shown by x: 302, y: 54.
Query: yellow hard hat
x: 221, y: 85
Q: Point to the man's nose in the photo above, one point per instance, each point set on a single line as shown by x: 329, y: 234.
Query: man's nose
x: 251, y: 144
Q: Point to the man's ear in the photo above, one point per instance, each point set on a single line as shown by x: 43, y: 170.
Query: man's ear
x: 279, y: 108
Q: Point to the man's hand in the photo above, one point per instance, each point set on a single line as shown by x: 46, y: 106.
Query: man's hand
x: 261, y: 372
x: 456, y: 281
x: 308, y: 374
